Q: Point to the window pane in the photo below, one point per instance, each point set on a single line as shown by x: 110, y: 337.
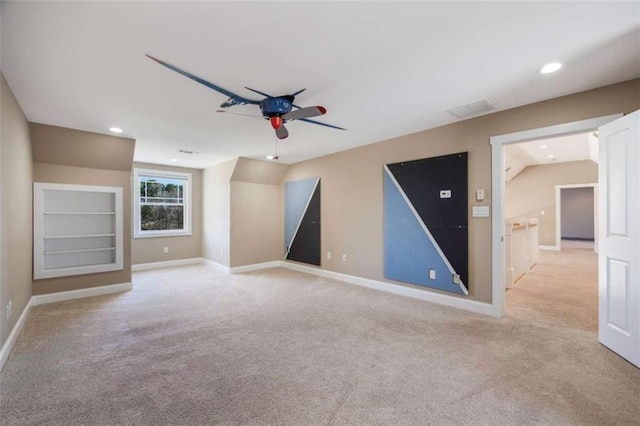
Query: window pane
x: 158, y: 190
x: 158, y: 218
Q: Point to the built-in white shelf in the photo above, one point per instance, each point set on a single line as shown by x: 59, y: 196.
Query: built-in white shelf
x: 79, y: 213
x: 77, y: 229
x: 79, y: 250
x: 79, y: 236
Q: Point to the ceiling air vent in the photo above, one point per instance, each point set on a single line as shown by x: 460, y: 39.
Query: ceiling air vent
x: 186, y: 151
x: 472, y: 109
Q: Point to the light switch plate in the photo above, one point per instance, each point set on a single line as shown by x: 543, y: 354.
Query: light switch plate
x: 445, y: 193
x: 479, y: 194
x: 480, y: 211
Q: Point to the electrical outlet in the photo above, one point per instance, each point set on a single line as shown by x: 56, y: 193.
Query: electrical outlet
x: 344, y: 257
x: 456, y: 279
x: 328, y: 255
x: 432, y: 274
x: 166, y: 249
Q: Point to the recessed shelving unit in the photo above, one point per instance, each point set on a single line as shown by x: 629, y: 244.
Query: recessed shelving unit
x: 77, y: 229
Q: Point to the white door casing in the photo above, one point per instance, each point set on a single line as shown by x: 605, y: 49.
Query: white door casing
x: 558, y: 205
x: 619, y: 229
x: 497, y: 192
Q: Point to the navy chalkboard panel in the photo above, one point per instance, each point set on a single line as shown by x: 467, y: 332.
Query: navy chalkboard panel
x: 426, y: 222
x: 302, y: 221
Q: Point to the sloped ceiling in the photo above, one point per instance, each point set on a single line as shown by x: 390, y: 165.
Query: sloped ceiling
x: 561, y: 149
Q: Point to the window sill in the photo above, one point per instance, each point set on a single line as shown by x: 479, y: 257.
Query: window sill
x: 163, y: 234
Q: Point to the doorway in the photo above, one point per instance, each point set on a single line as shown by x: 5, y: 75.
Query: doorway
x: 498, y: 192
x: 549, y: 203
x: 576, y: 218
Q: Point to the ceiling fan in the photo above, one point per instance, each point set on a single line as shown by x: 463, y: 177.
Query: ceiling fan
x: 277, y: 109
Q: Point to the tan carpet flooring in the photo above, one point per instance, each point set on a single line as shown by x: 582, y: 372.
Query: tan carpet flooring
x: 192, y: 346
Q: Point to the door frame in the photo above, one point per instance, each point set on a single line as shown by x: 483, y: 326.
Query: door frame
x: 497, y: 192
x: 559, y: 189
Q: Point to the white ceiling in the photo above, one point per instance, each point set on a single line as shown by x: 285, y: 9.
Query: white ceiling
x: 382, y: 69
x: 562, y: 149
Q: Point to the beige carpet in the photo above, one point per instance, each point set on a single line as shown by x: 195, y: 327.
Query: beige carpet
x: 192, y: 346
x: 561, y: 291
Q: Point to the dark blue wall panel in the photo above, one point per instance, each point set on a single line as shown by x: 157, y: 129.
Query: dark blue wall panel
x: 441, y: 223
x: 302, y: 221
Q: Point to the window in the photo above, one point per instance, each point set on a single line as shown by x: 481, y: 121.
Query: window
x: 162, y: 203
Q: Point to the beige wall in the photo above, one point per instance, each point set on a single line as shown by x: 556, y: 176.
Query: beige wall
x: 533, y: 191
x: 148, y: 250
x: 352, y: 183
x: 55, y: 173
x: 256, y: 223
x: 256, y: 212
x: 242, y: 212
x: 216, y: 210
x: 256, y: 171
x: 70, y: 147
x: 15, y: 209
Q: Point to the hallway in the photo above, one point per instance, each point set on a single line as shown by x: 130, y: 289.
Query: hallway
x: 561, y: 291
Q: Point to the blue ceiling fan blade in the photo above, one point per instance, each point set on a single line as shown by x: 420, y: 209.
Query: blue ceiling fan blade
x: 236, y: 98
x: 258, y: 92
x: 321, y: 124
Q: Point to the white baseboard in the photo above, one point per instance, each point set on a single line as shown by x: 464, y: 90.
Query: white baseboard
x: 42, y: 299
x: 216, y: 265
x: 165, y: 264
x: 553, y: 248
x: 426, y: 295
x: 255, y: 267
x: 13, y: 336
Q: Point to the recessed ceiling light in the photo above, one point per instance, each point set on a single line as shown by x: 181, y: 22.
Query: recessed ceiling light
x: 549, y: 68
x: 543, y: 146
x: 173, y: 159
x: 551, y: 156
x: 272, y: 157
x: 115, y: 129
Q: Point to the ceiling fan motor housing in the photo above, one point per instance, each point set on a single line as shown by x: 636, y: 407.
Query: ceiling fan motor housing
x: 275, y: 108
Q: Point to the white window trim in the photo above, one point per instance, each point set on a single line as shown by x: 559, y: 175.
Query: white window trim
x: 137, y: 232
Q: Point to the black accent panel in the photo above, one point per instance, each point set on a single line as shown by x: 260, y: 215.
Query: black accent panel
x: 446, y: 218
x: 306, y: 243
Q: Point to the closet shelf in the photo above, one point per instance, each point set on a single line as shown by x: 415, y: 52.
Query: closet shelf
x: 60, y: 237
x: 76, y: 213
x: 79, y: 250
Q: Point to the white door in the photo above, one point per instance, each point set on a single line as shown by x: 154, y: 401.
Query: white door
x: 619, y: 251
